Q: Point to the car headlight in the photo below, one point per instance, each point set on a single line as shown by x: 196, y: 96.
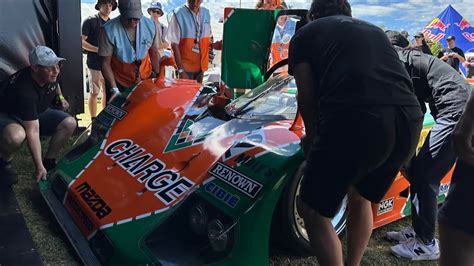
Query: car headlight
x: 218, y: 235
x: 198, y: 219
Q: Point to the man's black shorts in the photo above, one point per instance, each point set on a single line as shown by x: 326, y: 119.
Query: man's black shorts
x: 48, y: 120
x: 457, y: 209
x: 363, y: 147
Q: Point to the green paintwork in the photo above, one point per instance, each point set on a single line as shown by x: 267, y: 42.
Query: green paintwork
x: 247, y: 35
x: 429, y: 120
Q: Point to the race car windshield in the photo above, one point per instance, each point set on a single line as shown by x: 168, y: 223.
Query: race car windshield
x: 273, y: 100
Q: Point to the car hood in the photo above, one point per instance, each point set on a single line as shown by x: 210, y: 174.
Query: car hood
x: 159, y: 151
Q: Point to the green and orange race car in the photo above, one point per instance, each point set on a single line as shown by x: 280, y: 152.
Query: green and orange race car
x: 170, y: 173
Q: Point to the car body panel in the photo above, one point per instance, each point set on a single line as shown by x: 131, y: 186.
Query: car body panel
x: 130, y: 207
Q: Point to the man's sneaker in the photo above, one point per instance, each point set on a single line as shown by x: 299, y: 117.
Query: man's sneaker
x: 414, y: 250
x: 8, y: 175
x: 404, y: 235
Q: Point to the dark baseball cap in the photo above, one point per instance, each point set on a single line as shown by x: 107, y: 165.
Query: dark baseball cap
x: 130, y: 9
x: 451, y: 37
x: 396, y: 38
x: 419, y: 35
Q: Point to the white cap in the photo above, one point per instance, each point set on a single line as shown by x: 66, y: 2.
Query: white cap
x: 44, y: 56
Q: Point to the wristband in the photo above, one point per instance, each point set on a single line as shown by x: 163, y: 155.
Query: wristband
x: 115, y: 90
x: 180, y: 70
x: 61, y: 97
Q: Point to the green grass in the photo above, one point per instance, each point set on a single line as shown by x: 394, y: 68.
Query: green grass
x: 54, y: 248
x: 49, y: 240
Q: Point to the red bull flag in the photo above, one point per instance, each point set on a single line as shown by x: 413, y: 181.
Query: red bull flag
x: 450, y: 22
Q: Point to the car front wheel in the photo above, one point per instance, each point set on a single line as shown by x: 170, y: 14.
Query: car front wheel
x: 288, y: 227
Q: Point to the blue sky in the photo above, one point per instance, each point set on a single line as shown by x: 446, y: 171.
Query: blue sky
x: 410, y: 15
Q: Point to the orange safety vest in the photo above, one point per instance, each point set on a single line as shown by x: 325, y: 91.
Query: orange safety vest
x: 125, y: 58
x: 194, y: 34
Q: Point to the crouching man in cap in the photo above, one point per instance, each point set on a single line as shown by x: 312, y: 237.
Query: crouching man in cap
x: 129, y: 47
x: 25, y: 112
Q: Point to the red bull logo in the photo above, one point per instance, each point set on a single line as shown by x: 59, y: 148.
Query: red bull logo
x: 468, y: 36
x: 434, y: 37
x: 463, y: 24
x: 437, y: 24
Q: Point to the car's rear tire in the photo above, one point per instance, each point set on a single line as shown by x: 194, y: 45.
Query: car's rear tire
x: 288, y: 226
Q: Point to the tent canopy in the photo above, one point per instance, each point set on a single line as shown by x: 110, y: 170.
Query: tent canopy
x: 450, y: 22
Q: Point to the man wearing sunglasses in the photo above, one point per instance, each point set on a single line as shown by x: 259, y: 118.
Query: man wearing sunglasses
x: 128, y: 45
x: 26, y: 112
x: 155, y: 10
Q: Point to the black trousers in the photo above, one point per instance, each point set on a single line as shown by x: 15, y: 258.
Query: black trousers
x: 426, y: 170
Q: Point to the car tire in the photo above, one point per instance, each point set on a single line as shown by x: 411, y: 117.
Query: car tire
x: 288, y: 227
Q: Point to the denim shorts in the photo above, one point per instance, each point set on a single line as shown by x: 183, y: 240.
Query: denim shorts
x: 48, y: 120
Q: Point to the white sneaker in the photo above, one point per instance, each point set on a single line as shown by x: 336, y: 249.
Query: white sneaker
x: 404, y: 235
x: 414, y: 250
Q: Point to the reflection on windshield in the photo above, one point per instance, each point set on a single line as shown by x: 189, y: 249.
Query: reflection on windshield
x: 284, y: 31
x: 275, y: 99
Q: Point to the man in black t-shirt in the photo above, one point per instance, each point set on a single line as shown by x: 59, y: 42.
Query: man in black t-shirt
x: 446, y: 91
x: 25, y: 113
x: 90, y: 41
x: 362, y: 123
x: 452, y: 55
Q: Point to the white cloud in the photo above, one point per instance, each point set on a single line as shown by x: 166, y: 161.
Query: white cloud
x: 372, y: 10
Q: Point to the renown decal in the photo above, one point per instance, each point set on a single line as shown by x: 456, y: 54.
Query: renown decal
x: 115, y: 111
x: 93, y: 200
x: 166, y: 184
x: 222, y: 194
x: 385, y: 206
x: 239, y: 181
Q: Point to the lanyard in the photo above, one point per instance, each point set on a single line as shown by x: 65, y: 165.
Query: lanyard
x: 196, y: 24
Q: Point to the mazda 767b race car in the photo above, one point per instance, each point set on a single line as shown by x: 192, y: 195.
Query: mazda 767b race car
x: 171, y: 173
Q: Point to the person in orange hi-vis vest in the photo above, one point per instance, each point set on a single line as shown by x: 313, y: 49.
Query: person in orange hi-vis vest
x: 189, y: 32
x: 129, y: 47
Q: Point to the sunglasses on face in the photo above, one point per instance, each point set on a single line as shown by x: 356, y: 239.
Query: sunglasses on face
x: 156, y: 11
